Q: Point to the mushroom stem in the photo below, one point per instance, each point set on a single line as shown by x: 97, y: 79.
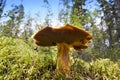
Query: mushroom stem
x: 63, y: 60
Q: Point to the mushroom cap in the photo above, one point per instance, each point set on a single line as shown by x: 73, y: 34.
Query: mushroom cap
x: 68, y: 34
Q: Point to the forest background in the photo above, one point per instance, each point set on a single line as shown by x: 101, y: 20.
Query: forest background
x: 20, y: 19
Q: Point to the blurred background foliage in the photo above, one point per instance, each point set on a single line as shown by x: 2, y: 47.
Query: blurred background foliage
x: 101, y: 61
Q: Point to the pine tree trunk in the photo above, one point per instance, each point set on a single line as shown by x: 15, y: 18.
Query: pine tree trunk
x: 117, y: 7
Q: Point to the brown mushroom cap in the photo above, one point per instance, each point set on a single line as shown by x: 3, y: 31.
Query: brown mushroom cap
x: 69, y: 34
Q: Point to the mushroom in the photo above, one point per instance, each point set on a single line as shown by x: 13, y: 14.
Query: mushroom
x: 64, y: 38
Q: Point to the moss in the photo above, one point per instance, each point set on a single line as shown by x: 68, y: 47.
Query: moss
x: 19, y: 61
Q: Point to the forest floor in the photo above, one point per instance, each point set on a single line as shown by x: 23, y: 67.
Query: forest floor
x: 19, y: 61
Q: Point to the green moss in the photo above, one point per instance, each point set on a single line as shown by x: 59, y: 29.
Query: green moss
x: 18, y: 61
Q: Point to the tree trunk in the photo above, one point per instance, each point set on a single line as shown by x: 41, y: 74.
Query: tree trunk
x: 2, y: 5
x: 117, y: 7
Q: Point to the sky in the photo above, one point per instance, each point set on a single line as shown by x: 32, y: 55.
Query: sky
x: 31, y: 7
